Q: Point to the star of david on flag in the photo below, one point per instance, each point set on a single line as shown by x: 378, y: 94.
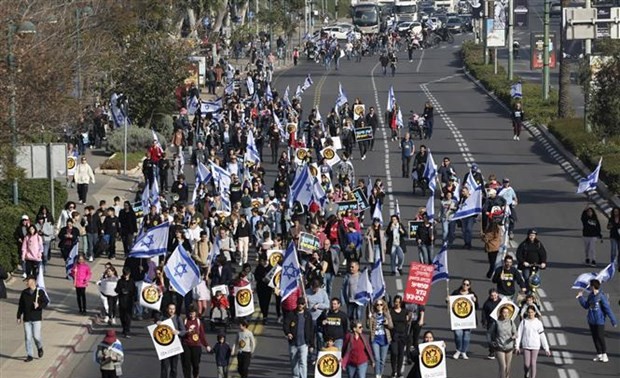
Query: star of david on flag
x: 291, y: 272
x: 589, y: 183
x: 441, y: 265
x: 182, y: 271
x: 153, y: 242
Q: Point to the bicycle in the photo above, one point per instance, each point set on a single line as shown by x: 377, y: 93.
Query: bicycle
x: 533, y: 283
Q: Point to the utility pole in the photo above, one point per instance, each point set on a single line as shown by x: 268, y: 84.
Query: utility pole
x: 511, y: 22
x: 546, y: 53
x: 588, y: 52
x: 487, y: 4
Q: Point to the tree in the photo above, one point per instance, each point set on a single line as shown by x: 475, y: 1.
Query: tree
x: 604, y: 106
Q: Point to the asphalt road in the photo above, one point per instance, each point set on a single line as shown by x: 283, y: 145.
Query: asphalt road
x: 469, y: 127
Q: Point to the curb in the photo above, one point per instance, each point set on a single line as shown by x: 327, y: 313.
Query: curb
x: 602, y: 197
x: 67, y: 352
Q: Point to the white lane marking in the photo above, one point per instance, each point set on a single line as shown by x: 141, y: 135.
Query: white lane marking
x: 417, y: 69
x: 568, y: 357
x: 399, y: 284
x: 555, y: 321
x: 572, y: 373
x: 557, y: 357
x: 547, y: 305
x: 542, y: 293
x: 562, y: 373
x: 545, y: 320
x: 388, y: 177
x: 551, y: 339
x: 562, y: 339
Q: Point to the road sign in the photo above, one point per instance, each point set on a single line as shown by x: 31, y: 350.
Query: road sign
x: 592, y: 23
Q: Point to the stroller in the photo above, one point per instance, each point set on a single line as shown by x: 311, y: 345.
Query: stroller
x: 220, y: 317
x: 419, y: 181
x: 417, y: 126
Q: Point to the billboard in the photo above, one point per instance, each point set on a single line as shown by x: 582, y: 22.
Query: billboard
x: 537, y: 42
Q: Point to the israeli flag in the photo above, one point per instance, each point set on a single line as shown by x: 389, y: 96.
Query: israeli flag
x: 302, y: 188
x: 41, y: 284
x: 363, y: 292
x: 391, y: 101
x: 145, y: 198
x: 298, y: 92
x: 516, y: 90
x: 226, y: 201
x: 71, y: 261
x: 154, y: 196
x: 378, y: 213
x: 583, y: 281
x: 283, y: 131
x: 608, y: 273
x: 230, y: 88
x: 291, y: 273
x: 118, y: 113
x: 250, y: 84
x: 268, y: 93
x: 251, y: 152
x: 318, y: 193
x: 221, y: 177
x: 285, y: 99
x: 441, y: 265
x: 307, y: 83
x: 589, y: 183
x: 211, y: 106
x: 397, y: 208
x: 471, y: 206
x: 203, y: 175
x: 430, y: 171
x: 376, y: 279
x: 342, y: 97
x: 399, y: 119
x: 471, y: 181
x: 182, y: 271
x: 156, y: 139
x: 368, y: 186
x: 153, y: 242
x: 430, y: 207
x: 192, y: 105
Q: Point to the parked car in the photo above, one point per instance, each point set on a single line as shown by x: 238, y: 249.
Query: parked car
x: 406, y: 27
x: 556, y: 10
x: 341, y: 31
x: 454, y: 25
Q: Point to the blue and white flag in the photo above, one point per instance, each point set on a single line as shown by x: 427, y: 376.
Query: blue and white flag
x: 281, y: 128
x: 302, y: 188
x: 116, y: 346
x: 250, y: 84
x: 118, y: 113
x: 430, y: 171
x: 378, y: 213
x: 192, y: 105
x: 471, y: 182
x: 307, y: 83
x: 226, y: 201
x: 230, y: 88
x: 221, y: 177
x: 471, y: 206
x: 214, y: 106
x: 363, y: 292
x: 605, y: 275
x: 145, y: 198
x: 268, y: 93
x: 391, y: 101
x: 318, y: 193
x: 368, y: 186
x: 397, y: 208
x: 156, y: 140
x: 154, y: 196
x: 203, y: 175
x: 583, y: 281
x: 291, y: 273
x: 298, y: 92
x: 251, y: 151
x: 516, y: 90
x: 589, y: 183
x: 376, y: 279
x: 71, y: 261
x: 430, y: 207
x: 182, y: 271
x: 285, y: 98
x: 399, y: 119
x: 608, y: 273
x: 153, y: 242
x: 441, y: 265
x: 430, y: 24
x: 342, y: 97
x: 41, y: 284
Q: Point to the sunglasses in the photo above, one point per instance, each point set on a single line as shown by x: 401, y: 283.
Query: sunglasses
x: 466, y: 284
x: 380, y: 304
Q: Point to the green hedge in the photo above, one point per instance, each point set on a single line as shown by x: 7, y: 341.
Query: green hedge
x: 138, y: 139
x: 536, y: 109
x: 571, y: 133
x: 32, y: 194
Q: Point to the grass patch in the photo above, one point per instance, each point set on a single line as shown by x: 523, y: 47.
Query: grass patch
x: 117, y: 161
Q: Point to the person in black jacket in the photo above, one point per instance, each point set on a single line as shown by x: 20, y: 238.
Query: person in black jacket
x: 506, y: 276
x: 67, y: 238
x: 126, y: 290
x: 129, y: 226
x: 299, y: 330
x: 222, y: 273
x: 32, y: 301
x: 180, y: 188
x: 591, y: 232
x: 530, y: 252
x: 428, y: 119
x: 425, y: 239
x: 333, y: 323
x: 263, y: 290
x: 110, y: 230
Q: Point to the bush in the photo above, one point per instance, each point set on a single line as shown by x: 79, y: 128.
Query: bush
x: 536, y: 109
x: 571, y: 133
x: 117, y: 162
x: 163, y: 124
x: 138, y: 139
x: 33, y: 194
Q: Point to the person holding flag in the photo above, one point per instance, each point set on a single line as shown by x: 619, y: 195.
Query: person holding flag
x: 30, y: 312
x: 109, y: 355
x: 598, y: 308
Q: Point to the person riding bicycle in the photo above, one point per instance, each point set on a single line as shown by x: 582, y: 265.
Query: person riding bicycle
x: 531, y: 252
x: 506, y: 276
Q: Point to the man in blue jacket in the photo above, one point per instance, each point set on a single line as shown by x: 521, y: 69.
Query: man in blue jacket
x: 598, y: 308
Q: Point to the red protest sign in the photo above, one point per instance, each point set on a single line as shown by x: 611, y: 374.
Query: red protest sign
x: 419, y: 283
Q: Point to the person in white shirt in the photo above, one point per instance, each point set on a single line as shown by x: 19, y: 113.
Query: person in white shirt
x: 530, y: 337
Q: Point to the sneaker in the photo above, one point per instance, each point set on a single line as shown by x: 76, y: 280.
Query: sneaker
x: 593, y: 263
x: 514, y: 137
x: 397, y: 273
x: 491, y: 356
x: 604, y: 358
x: 598, y: 357
x: 24, y: 275
x: 518, y: 138
x: 112, y: 321
x: 464, y: 356
x: 40, y: 352
x: 91, y: 259
x: 456, y: 355
x: 28, y: 359
x: 279, y: 320
x: 106, y: 319
x: 587, y: 261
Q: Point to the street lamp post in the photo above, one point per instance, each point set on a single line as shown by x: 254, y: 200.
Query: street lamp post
x: 25, y: 27
x: 79, y: 12
x: 546, y: 52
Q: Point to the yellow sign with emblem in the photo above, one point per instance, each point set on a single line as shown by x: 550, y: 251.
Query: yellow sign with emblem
x: 328, y: 365
x: 433, y: 360
x: 462, y: 312
x: 165, y: 340
x: 244, y: 301
x: 150, y: 296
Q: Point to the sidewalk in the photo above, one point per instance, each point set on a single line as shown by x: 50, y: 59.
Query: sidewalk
x: 63, y: 329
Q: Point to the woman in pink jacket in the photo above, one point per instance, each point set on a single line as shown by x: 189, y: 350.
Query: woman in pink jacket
x: 81, y: 276
x: 32, y: 251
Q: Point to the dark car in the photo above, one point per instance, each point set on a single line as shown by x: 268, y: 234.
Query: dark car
x: 556, y: 10
x: 454, y: 25
x: 466, y: 23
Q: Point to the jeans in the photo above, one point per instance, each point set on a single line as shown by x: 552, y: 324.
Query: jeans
x: 92, y: 240
x: 468, y: 225
x: 429, y: 128
x: 614, y: 249
x: 47, y: 250
x: 380, y: 353
x: 328, y: 279
x: 448, y: 230
x: 168, y: 367
x: 406, y: 165
x: 32, y: 330
x: 376, y: 253
x: 425, y: 253
x: 461, y: 339
x: 354, y: 311
x: 358, y: 371
x: 222, y: 371
x: 299, y: 360
x: 397, y: 254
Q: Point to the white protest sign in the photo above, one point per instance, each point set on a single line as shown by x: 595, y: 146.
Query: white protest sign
x: 433, y: 360
x: 150, y: 296
x: 462, y: 312
x: 513, y: 309
x: 328, y: 365
x: 244, y: 301
x: 167, y: 344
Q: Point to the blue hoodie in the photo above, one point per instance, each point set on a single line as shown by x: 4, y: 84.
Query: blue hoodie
x: 598, y: 307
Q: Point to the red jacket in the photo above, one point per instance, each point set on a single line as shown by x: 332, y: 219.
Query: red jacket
x: 290, y: 303
x: 347, y: 350
x: 155, y: 153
